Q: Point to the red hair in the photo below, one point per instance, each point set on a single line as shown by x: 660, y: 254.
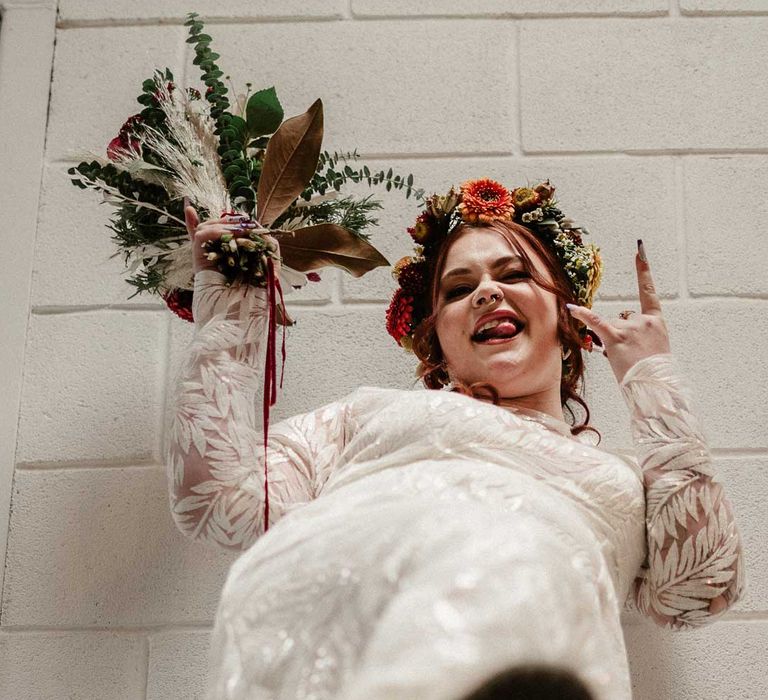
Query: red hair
x: 426, y: 344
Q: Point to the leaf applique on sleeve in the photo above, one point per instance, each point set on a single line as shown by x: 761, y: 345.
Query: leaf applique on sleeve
x: 694, y: 570
x: 214, y: 449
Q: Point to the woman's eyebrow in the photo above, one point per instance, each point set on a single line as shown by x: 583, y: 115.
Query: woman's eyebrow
x: 465, y: 270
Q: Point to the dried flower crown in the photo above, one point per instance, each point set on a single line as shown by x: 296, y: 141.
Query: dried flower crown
x: 481, y: 202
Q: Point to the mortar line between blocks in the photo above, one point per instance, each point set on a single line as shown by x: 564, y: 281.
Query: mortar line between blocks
x: 349, y: 14
x: 75, y: 464
x: 128, y: 630
x: 680, y: 226
x: 454, y: 155
x: 28, y: 324
x: 545, y: 16
x: 517, y: 90
x: 106, y: 23
x: 165, y: 374
x: 147, y: 649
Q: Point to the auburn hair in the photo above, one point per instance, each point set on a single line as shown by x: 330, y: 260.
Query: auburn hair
x: 426, y: 344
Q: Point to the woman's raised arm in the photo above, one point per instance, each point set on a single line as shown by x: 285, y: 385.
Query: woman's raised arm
x: 214, y: 451
x: 695, y: 569
x: 214, y: 444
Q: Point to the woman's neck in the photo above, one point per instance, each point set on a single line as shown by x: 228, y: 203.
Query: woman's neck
x: 544, y: 402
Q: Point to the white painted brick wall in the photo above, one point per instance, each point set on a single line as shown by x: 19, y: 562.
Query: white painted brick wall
x: 649, y: 116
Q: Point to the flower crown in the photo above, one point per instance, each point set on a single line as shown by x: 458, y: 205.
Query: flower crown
x: 481, y: 202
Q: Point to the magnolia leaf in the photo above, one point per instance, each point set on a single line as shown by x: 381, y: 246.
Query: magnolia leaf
x: 263, y: 112
x: 312, y: 247
x: 289, y: 162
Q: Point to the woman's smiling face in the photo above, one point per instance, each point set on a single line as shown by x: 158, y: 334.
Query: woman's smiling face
x: 484, y: 280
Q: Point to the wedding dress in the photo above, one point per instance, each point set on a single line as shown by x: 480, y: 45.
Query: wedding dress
x: 421, y: 541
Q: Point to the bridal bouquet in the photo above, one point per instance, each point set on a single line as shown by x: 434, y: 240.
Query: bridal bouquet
x: 240, y: 157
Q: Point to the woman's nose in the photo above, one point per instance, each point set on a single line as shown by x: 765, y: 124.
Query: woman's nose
x: 487, y: 292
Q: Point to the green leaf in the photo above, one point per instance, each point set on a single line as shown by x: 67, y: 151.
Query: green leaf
x: 264, y: 113
x: 231, y: 171
x: 239, y: 125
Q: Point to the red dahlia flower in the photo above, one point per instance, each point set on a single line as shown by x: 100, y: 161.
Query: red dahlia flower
x: 180, y: 302
x: 425, y: 229
x: 400, y: 315
x: 411, y: 275
x: 125, y: 142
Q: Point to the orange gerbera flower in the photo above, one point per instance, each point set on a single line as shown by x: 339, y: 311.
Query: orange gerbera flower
x: 485, y: 200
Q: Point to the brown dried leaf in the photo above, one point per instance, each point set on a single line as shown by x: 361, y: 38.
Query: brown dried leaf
x: 289, y: 163
x: 313, y: 247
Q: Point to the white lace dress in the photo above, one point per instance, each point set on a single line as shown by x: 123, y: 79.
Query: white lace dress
x: 420, y: 541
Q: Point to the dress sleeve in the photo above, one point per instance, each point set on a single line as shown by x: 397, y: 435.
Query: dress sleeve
x: 214, y: 446
x: 694, y: 570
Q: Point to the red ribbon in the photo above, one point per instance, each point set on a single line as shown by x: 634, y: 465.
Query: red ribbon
x: 270, y: 371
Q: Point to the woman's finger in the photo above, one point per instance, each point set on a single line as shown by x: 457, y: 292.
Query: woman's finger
x: 191, y: 219
x: 595, y: 322
x: 649, y: 300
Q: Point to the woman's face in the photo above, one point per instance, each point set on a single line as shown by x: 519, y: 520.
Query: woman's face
x: 484, y: 281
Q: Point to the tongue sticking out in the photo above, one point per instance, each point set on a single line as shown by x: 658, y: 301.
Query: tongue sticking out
x: 503, y: 330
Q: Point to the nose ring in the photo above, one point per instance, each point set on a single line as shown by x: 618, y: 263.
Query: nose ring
x: 493, y: 296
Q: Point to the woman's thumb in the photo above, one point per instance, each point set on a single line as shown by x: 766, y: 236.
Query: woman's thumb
x: 190, y: 218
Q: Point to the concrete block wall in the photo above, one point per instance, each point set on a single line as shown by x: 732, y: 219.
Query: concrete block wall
x: 649, y: 116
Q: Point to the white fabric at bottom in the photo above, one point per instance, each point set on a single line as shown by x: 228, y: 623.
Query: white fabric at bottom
x: 421, y: 598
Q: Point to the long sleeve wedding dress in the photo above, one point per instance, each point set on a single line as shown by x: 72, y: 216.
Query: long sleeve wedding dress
x: 421, y: 541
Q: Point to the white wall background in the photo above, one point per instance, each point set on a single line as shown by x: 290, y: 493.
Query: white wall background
x: 648, y: 115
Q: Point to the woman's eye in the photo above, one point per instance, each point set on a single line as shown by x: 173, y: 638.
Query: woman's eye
x: 518, y: 274
x: 457, y: 292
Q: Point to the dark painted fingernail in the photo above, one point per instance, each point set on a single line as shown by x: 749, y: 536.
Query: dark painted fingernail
x: 641, y: 250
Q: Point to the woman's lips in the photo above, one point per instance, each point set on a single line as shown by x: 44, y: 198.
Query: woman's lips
x: 496, y: 341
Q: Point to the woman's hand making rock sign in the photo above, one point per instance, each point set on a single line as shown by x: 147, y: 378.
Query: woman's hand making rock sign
x: 633, y: 336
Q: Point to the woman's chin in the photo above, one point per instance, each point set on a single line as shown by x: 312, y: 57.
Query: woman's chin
x: 498, y: 349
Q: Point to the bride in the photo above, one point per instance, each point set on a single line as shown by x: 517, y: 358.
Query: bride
x: 463, y: 542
